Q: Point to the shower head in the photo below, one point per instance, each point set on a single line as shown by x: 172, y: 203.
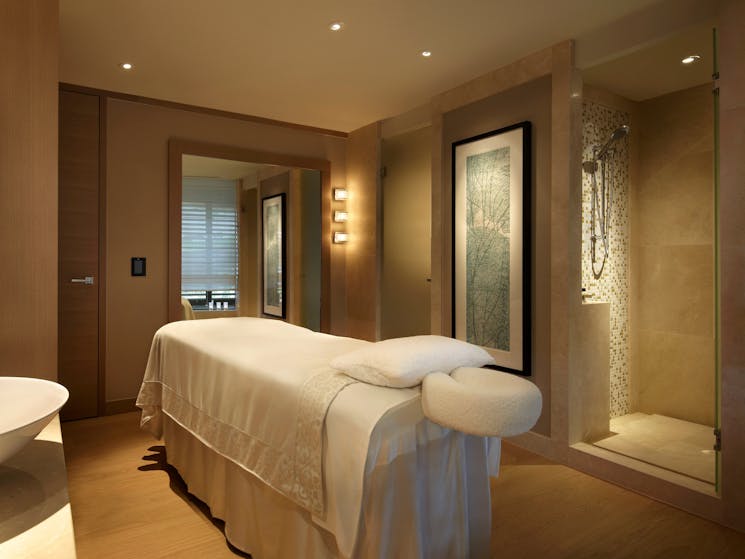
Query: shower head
x: 617, y: 134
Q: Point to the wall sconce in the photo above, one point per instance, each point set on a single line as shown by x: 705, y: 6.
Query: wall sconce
x: 341, y: 216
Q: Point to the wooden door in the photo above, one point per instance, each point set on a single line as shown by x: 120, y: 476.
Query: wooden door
x: 79, y: 252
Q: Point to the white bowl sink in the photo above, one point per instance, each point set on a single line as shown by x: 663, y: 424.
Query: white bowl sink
x: 27, y: 405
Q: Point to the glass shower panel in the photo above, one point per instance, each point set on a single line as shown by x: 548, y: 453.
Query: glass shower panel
x: 649, y: 250
x: 717, y: 368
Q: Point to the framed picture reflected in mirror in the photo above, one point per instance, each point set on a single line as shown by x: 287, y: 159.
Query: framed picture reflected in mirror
x: 273, y: 255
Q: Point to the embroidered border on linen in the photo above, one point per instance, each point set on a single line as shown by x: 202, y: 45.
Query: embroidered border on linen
x: 298, y: 476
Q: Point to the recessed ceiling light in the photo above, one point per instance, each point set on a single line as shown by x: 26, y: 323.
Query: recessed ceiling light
x: 426, y: 53
x: 691, y: 59
x: 125, y: 66
x: 336, y: 26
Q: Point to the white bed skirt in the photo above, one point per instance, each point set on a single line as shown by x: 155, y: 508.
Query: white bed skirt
x: 429, y: 504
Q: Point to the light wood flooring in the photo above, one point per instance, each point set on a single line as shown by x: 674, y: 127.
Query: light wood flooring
x: 127, y: 504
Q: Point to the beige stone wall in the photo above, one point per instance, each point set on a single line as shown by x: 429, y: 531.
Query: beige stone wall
x: 673, y: 257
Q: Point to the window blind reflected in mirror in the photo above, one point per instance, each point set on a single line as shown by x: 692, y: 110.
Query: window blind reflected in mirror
x: 209, y: 243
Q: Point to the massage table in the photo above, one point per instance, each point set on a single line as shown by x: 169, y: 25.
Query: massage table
x: 300, y: 460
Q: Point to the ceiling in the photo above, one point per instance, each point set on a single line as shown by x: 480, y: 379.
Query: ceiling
x: 657, y: 69
x: 278, y: 59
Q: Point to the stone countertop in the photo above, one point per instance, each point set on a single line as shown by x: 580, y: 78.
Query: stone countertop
x: 35, y: 516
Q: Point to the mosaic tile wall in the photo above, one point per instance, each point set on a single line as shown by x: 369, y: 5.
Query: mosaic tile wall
x: 598, y: 122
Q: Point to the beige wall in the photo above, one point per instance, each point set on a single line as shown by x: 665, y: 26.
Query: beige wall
x: 137, y: 210
x: 405, y: 293
x: 673, y: 257
x: 28, y: 187
x: 531, y: 102
x: 248, y: 243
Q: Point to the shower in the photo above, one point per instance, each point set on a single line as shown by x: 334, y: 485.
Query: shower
x: 602, y: 197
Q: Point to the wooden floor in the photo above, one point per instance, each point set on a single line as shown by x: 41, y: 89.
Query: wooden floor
x: 127, y: 504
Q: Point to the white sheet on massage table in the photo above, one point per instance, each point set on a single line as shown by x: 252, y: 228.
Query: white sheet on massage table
x: 398, y: 435
x: 432, y: 502
x: 351, y: 418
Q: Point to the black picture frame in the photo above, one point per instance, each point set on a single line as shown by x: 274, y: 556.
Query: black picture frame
x: 491, y: 300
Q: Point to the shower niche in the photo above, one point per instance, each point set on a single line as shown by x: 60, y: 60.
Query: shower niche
x: 648, y: 256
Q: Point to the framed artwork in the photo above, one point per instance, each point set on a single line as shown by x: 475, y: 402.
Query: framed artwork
x: 273, y: 255
x: 491, y: 244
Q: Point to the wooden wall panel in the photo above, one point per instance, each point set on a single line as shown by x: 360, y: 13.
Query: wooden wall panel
x: 363, y: 251
x: 28, y: 187
x: 79, y: 207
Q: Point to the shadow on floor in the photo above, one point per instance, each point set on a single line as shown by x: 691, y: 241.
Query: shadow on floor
x: 179, y: 487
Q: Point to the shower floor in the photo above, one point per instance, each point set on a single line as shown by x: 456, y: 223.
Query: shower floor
x: 673, y: 444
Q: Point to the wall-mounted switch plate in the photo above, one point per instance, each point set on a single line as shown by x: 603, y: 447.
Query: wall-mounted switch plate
x: 139, y: 266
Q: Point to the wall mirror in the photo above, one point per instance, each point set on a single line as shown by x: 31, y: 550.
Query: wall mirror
x: 216, y: 234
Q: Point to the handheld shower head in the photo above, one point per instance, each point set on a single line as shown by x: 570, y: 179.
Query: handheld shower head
x: 602, y: 194
x: 617, y: 134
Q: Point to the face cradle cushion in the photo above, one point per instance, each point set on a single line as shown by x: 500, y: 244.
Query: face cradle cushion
x: 481, y: 402
x: 404, y: 362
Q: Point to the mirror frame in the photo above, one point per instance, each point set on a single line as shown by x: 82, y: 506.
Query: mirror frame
x: 180, y: 147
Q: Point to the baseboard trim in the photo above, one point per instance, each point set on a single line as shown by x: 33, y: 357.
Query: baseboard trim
x: 120, y: 406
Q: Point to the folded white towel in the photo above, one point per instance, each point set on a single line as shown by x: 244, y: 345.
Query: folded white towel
x: 481, y: 402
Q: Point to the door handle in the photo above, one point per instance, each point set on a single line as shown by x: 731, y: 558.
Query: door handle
x: 87, y: 280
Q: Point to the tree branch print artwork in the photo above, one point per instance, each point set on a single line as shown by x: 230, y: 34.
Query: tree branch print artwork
x: 488, y: 249
x: 491, y: 284
x: 273, y: 249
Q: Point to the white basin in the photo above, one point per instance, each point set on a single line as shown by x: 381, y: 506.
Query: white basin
x: 27, y: 405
